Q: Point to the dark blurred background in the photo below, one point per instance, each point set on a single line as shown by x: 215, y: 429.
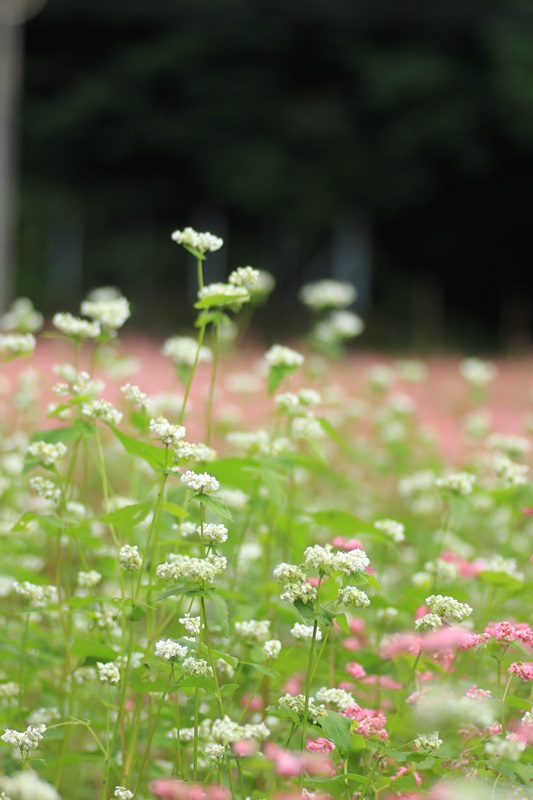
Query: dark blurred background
x: 387, y: 142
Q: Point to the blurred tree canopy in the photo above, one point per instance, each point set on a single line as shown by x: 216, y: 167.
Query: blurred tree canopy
x: 282, y: 119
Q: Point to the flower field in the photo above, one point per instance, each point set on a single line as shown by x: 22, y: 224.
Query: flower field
x: 228, y: 573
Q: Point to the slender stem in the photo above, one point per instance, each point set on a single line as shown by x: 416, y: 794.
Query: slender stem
x: 151, y: 736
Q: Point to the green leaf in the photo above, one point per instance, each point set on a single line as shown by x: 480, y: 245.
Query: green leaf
x: 239, y: 473
x: 197, y: 682
x: 231, y: 660
x: 155, y: 456
x: 127, y: 517
x: 215, y: 504
x: 337, y: 729
x: 501, y: 579
x: 276, y: 375
x: 93, y: 650
x: 48, y: 522
x: 175, y: 510
x: 270, y: 673
x: 342, y: 622
x: 328, y: 428
x: 137, y: 614
x: 221, y: 611
x: 228, y: 689
x: 305, y: 610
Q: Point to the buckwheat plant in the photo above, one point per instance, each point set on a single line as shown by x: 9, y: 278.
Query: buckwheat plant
x: 268, y: 584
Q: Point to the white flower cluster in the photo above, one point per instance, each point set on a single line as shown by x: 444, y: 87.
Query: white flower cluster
x: 418, y: 482
x: 297, y: 703
x: 254, y: 630
x: 121, y: 793
x: 169, y: 434
x: 170, y: 650
x: 182, y: 351
x: 47, y: 452
x: 213, y: 533
x: 77, y: 383
x: 134, y: 396
x: 272, y: 648
x: 192, y: 624
x: 297, y: 403
x: 25, y: 740
x: 17, y: 344
x: 27, y: 785
x: 477, y: 372
x: 224, y: 294
x: 89, y: 579
x: 215, y: 752
x: 9, y: 690
x: 198, y: 241
x: 196, y: 570
x: 102, y: 409
x: 507, y: 565
x: 325, y: 560
x: 448, y: 607
x: 429, y: 622
x: 129, y: 558
x: 108, y: 672
x: 391, y: 528
x: 350, y: 596
x: 510, y: 749
x: 22, y: 317
x: 512, y: 446
x: 77, y: 328
x: 510, y: 473
x: 200, y: 482
x: 335, y: 697
x: 225, y: 731
x: 188, y: 451
x: 279, y: 355
x: 110, y: 314
x: 37, y: 595
x: 44, y: 715
x: 459, y: 483
x: 245, y: 276
x: 338, y: 326
x: 46, y: 489
x: 428, y: 741
x: 258, y: 442
x: 327, y: 294
x: 196, y: 667
x: 305, y: 632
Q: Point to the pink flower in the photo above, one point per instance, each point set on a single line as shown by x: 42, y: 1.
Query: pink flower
x: 384, y: 681
x: 474, y: 639
x: 289, y: 764
x: 176, y: 789
x: 254, y: 704
x: 246, y: 747
x: 521, y: 669
x: 502, y: 631
x: 355, y: 670
x: 347, y: 544
x: 370, y: 722
x: 320, y: 745
x: 478, y: 694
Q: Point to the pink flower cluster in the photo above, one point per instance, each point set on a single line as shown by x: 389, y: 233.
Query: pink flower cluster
x: 320, y: 745
x: 522, y: 669
x: 505, y: 631
x: 370, y: 722
x: 441, y: 640
x: 176, y: 789
x: 290, y: 764
x: 347, y: 544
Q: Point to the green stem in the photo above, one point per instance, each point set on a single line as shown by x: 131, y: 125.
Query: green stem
x: 151, y: 736
x: 216, y: 349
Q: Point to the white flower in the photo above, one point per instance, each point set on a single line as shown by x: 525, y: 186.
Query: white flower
x: 134, y: 395
x: 297, y: 703
x: 272, y: 648
x: 26, y: 740
x: 279, y: 355
x: 202, y: 483
x: 198, y: 241
x: 88, y: 580
x: 351, y: 561
x: 46, y: 489
x: 188, y: 451
x: 121, y: 793
x: 254, y: 630
x: 428, y: 741
x: 129, y: 558
x: 37, y: 595
x: 196, y: 570
x: 22, y: 317
x: 350, y: 596
x: 448, y: 607
x: 47, y: 452
x: 307, y: 427
x: 17, y: 344
x: 111, y: 314
x: 182, y: 350
x: 394, y: 529
x: 305, y: 632
x: 108, y: 673
x: 327, y: 294
x: 339, y: 325
x: 169, y: 434
x: 336, y: 697
x: 192, y: 624
x: 196, y: 666
x: 27, y: 785
x: 70, y: 325
x: 429, y: 622
x: 169, y: 650
x: 460, y: 483
x: 101, y: 409
x: 477, y: 372
x: 213, y: 533
x: 511, y: 474
x: 245, y: 276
